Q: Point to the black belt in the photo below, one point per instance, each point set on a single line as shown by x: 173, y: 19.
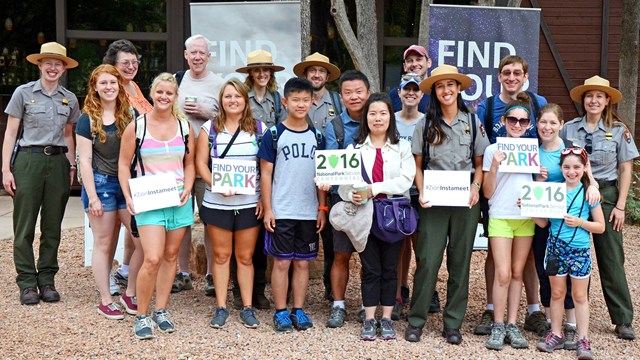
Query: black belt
x: 607, y: 183
x: 47, y: 150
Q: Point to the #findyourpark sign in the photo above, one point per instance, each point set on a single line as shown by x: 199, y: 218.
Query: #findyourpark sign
x: 446, y: 188
x: 239, y: 176
x: 338, y: 167
x: 543, y: 200
x: 522, y: 155
x: 152, y: 192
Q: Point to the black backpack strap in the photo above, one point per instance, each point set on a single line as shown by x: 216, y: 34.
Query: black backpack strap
x: 338, y: 130
x: 277, y: 100
x: 137, y: 157
x: 535, y: 105
x: 318, y: 138
x: 185, y: 137
x: 425, y: 145
x: 337, y: 103
x: 274, y: 137
x: 473, y: 123
x: 488, y: 117
x: 179, y: 75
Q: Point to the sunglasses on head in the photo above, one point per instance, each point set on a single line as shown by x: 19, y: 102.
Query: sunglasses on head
x: 575, y: 150
x: 512, y: 120
x: 410, y: 76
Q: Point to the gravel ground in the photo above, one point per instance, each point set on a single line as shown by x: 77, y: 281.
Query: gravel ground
x: 72, y: 329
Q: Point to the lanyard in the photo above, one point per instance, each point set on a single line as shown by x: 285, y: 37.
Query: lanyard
x: 579, y: 214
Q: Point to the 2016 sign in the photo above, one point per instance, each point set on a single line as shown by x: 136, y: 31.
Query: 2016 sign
x: 338, y: 167
x: 543, y: 200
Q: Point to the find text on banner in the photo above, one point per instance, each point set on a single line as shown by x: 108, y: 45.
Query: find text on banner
x: 151, y: 192
x: 237, y: 176
x: 522, y: 155
x: 543, y: 200
x: 446, y: 188
x: 338, y: 167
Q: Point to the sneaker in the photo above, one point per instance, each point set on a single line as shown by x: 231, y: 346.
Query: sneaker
x: 625, y: 332
x: 484, y: 328
x: 387, y: 332
x: 496, y: 340
x: 360, y: 315
x: 161, y: 318
x: 584, y: 350
x: 121, y: 280
x: 369, y: 330
x: 129, y: 304
x: 111, y: 311
x: 514, y: 337
x: 248, y: 318
x: 434, y: 307
x: 412, y: 333
x: 396, y: 313
x: 552, y: 342
x: 209, y: 290
x: 143, y: 327
x: 337, y: 317
x: 404, y: 294
x: 114, y: 289
x: 536, y: 323
x: 181, y: 282
x: 219, y: 318
x: 300, y: 320
x: 570, y: 337
x: 282, y: 322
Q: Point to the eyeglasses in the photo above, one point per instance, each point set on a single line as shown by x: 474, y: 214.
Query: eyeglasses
x: 128, y: 63
x: 411, y: 76
x: 588, y: 143
x: 575, y: 150
x: 512, y: 120
x: 507, y: 73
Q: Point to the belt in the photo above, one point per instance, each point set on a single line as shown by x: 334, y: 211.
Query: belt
x: 607, y: 183
x: 47, y: 150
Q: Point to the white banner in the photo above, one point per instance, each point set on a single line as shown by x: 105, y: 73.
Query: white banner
x: 338, y: 167
x: 447, y: 188
x: 543, y: 199
x: 522, y: 155
x: 153, y: 192
x: 239, y: 176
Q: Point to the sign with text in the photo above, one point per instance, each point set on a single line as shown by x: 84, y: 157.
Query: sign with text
x: 239, y: 176
x: 338, y: 167
x: 153, y: 192
x: 522, y: 155
x: 447, y: 188
x: 543, y: 199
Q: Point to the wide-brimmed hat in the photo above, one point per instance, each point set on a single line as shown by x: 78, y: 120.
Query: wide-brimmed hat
x: 445, y: 72
x: 319, y: 60
x: 595, y: 83
x: 53, y: 50
x: 259, y: 58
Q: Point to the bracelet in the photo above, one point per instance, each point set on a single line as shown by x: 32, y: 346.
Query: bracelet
x: 323, y: 208
x: 581, y: 222
x: 476, y: 184
x: 619, y: 208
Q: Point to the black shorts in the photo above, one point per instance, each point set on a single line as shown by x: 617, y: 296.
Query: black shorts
x: 292, y: 240
x: 232, y: 220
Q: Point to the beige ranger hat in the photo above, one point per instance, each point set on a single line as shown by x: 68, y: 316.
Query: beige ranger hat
x: 595, y: 83
x: 445, y: 72
x: 319, y: 60
x: 52, y: 50
x: 259, y: 58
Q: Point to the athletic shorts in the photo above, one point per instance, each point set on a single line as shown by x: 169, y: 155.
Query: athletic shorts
x: 232, y: 220
x: 109, y: 192
x: 171, y: 218
x: 573, y: 261
x: 292, y: 240
x: 510, y: 228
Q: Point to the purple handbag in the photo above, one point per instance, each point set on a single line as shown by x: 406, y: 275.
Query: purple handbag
x: 393, y: 219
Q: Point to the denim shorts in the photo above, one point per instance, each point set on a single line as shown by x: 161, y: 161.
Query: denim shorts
x: 109, y: 192
x: 171, y: 218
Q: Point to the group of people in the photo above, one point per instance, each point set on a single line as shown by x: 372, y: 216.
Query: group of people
x: 423, y: 124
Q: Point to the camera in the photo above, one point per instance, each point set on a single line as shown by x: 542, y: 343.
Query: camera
x: 553, y: 265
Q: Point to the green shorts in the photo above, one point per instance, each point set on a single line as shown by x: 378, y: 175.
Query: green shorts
x: 510, y: 228
x: 171, y: 218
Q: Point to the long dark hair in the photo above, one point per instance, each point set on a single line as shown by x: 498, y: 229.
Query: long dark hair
x: 433, y: 115
x: 392, y: 131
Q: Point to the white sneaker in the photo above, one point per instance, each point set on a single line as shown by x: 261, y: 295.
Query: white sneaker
x: 114, y: 289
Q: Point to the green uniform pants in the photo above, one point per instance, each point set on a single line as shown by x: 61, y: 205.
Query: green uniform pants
x: 458, y: 225
x: 42, y: 184
x: 610, y: 256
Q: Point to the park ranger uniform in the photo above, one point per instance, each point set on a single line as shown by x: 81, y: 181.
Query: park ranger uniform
x: 323, y: 112
x: 265, y: 110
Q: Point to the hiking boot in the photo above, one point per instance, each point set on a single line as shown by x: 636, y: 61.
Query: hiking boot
x: 412, y: 333
x: 551, y: 342
x: 396, y: 313
x: 369, y: 330
x: 496, y: 340
x: 337, y: 317
x: 29, y: 296
x: 161, y: 318
x: 570, y: 337
x: 453, y: 336
x: 514, y: 337
x: 129, y: 304
x: 209, y: 290
x: 404, y: 294
x: 625, y: 332
x: 48, y: 293
x: 584, y: 350
x: 114, y: 289
x: 536, y: 323
x: 387, y: 332
x: 484, y: 327
x: 219, y: 318
x: 120, y: 279
x: 111, y: 311
x: 360, y: 315
x: 181, y: 282
x: 282, y: 322
x: 261, y: 302
x: 143, y: 327
x: 248, y: 318
x: 434, y: 307
x: 300, y: 320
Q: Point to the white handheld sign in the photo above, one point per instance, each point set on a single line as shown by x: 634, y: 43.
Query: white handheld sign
x: 543, y: 199
x: 239, y: 176
x: 153, y: 192
x: 338, y: 167
x: 522, y: 155
x: 447, y: 188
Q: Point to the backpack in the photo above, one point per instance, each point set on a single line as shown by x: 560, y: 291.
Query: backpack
x: 337, y: 103
x: 213, y: 137
x: 277, y: 99
x: 141, y: 130
x: 488, y: 115
x: 425, y: 147
x: 275, y: 135
x: 179, y: 75
x: 338, y: 130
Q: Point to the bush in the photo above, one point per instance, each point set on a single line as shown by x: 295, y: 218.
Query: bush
x: 632, y: 210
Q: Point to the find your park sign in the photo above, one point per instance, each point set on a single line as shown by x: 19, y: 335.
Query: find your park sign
x: 521, y: 155
x: 236, y: 176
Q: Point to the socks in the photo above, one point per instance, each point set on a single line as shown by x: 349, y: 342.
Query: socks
x: 490, y: 307
x: 571, y: 325
x: 185, y: 273
x: 533, y: 308
x: 124, y: 270
x: 339, y: 303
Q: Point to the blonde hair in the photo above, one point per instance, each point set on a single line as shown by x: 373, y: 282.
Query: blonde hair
x: 167, y: 77
x: 247, y: 123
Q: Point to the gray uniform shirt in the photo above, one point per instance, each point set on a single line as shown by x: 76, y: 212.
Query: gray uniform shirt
x: 610, y: 147
x: 265, y: 110
x: 44, y: 116
x: 454, y: 153
x: 323, y: 112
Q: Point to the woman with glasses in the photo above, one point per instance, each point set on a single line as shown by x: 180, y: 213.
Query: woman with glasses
x: 611, y: 150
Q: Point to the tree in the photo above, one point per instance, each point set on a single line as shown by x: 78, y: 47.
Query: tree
x: 305, y: 21
x: 628, y: 73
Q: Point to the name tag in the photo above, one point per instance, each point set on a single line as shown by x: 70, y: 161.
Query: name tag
x: 154, y: 192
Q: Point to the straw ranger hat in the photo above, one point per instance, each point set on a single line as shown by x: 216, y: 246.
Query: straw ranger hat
x: 595, y: 83
x: 52, y: 50
x: 443, y: 72
x: 319, y: 60
x: 259, y: 58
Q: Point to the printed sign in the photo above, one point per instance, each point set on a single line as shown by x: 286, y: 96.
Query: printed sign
x: 239, y: 176
x: 543, y: 199
x: 522, y: 155
x: 153, y: 192
x: 447, y: 188
x: 338, y: 167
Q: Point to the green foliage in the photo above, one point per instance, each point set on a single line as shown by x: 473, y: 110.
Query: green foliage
x: 632, y: 210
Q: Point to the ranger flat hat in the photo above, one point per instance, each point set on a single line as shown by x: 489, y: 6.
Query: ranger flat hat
x: 319, y: 60
x: 53, y: 50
